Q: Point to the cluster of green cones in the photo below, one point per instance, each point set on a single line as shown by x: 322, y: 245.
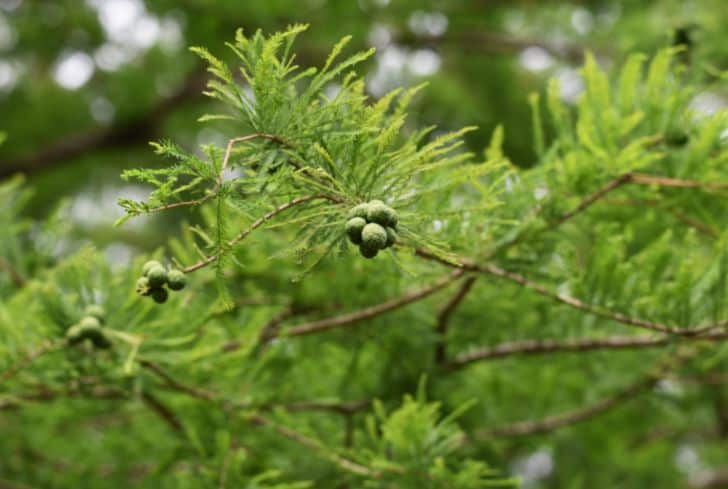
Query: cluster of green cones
x: 155, y: 277
x: 372, y: 226
x: 90, y: 328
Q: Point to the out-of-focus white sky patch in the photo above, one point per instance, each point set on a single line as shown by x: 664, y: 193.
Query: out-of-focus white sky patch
x: 118, y: 256
x: 396, y: 65
x: 61, y: 247
x: 536, y: 58
x: 146, y: 32
x: 515, y: 21
x: 166, y: 85
x: 232, y: 174
x: 367, y: 5
x: 508, y: 183
x: 73, y: 70
x: 10, y: 5
x: 130, y: 30
x: 582, y: 20
x: 332, y: 90
x: 90, y: 209
x: 389, y: 72
x: 171, y: 39
x: 670, y: 388
x: 533, y: 467
x: 707, y: 103
x: 424, y: 62
x: 380, y: 36
x: 248, y: 92
x: 392, y: 59
x: 431, y: 24
x: 571, y: 84
x: 9, y: 74
x: 119, y: 18
x: 564, y: 289
x: 8, y: 36
x: 110, y: 57
x: 211, y: 136
x: 102, y: 110
x: 687, y: 460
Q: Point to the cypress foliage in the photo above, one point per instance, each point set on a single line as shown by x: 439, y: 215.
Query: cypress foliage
x: 280, y: 359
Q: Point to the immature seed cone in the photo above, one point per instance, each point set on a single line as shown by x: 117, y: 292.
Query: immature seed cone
x: 368, y: 251
x: 676, y: 137
x: 381, y: 214
x: 143, y: 287
x: 149, y: 265
x: 95, y: 310
x: 98, y: 338
x: 354, y: 227
x: 358, y: 211
x: 391, y: 217
x: 88, y: 328
x: 373, y: 236
x: 176, y: 280
x: 391, y: 237
x: 160, y: 295
x: 157, y: 277
x: 89, y: 322
x: 73, y: 333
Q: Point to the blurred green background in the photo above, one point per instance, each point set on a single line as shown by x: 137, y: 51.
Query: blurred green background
x: 85, y: 85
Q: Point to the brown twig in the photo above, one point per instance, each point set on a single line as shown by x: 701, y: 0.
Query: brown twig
x: 340, y: 407
x: 443, y: 318
x: 270, y: 330
x: 221, y: 175
x: 8, y: 484
x: 711, y: 479
x: 29, y: 358
x: 262, y: 220
x: 710, y: 378
x: 568, y: 300
x: 15, y: 276
x: 177, y: 385
x: 615, y: 183
x: 638, y: 179
x: 551, y: 423
x: 301, y: 439
x: 588, y: 201
x: 184, y: 203
x: 242, y: 139
x: 163, y: 411
x: 662, y: 181
x: 546, y: 346
x: 684, y: 218
x: 47, y: 395
x: 372, y: 311
x: 136, y: 131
